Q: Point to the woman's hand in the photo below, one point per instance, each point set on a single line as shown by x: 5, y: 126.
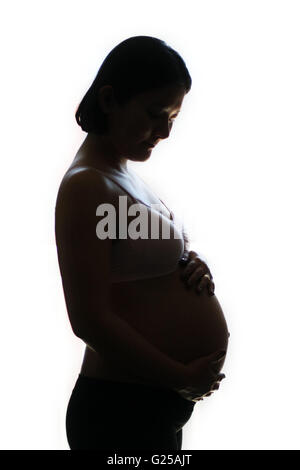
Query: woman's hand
x: 196, y: 273
x: 204, y: 376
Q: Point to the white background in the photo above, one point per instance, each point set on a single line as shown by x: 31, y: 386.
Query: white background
x: 230, y: 167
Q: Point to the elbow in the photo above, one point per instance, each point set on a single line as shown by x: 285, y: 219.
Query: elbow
x: 78, y: 328
x: 87, y: 331
x: 78, y: 331
x: 90, y: 336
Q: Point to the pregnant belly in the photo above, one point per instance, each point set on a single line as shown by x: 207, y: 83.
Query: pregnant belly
x: 178, y: 321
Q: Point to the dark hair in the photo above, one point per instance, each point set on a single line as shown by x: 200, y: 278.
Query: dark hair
x: 136, y: 65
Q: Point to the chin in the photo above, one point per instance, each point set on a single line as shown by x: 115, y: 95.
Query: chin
x: 140, y: 158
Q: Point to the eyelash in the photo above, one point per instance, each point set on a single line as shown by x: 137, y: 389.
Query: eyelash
x: 159, y: 115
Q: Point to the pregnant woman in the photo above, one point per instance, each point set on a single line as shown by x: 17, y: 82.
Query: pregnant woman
x: 155, y: 343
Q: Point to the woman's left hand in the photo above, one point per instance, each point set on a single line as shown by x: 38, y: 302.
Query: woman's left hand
x: 196, y: 273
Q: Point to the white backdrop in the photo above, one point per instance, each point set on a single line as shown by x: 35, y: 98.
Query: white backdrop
x: 234, y: 153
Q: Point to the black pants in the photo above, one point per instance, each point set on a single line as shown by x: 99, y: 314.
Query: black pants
x: 107, y: 415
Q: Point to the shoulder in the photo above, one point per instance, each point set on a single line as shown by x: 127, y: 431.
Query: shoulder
x: 84, y: 183
x: 81, y: 192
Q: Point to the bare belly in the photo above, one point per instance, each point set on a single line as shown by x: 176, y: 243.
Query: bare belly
x: 178, y: 321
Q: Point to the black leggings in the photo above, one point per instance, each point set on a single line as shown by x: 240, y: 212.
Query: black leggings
x: 107, y: 415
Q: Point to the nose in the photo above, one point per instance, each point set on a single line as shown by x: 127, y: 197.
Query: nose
x: 163, y: 129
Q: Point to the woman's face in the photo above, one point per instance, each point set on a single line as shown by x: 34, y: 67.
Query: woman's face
x: 144, y: 120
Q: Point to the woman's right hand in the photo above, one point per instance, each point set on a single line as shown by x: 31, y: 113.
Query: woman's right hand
x: 204, y: 376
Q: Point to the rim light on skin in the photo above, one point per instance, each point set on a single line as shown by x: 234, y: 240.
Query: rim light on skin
x: 133, y: 127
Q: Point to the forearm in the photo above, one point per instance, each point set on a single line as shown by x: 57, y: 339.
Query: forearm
x: 123, y: 346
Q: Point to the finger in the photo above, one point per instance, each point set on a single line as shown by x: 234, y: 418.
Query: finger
x: 211, y: 288
x: 188, y: 255
x: 217, y: 377
x: 196, y: 276
x: 205, y: 282
x: 211, y: 362
x: 212, y: 376
x: 194, y: 262
x: 209, y: 272
x: 216, y: 386
x: 221, y: 377
x: 192, y: 254
x: 189, y: 269
x: 206, y: 268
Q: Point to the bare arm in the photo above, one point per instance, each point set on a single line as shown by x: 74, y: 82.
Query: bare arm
x: 84, y: 262
x: 123, y: 346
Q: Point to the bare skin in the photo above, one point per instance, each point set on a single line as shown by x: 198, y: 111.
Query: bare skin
x: 178, y: 321
x: 184, y: 325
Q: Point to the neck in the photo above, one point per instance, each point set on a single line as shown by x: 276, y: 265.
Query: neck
x: 99, y: 151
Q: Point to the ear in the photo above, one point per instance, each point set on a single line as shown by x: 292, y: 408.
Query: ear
x: 106, y: 98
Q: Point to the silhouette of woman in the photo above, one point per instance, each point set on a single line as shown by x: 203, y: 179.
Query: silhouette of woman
x: 155, y: 343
